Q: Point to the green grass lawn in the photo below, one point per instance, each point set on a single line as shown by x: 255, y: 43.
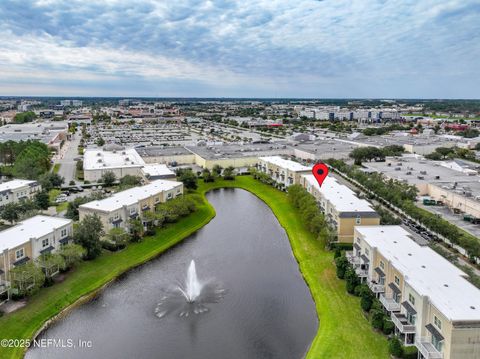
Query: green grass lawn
x: 343, y: 331
x: 56, y: 167
x: 52, y: 195
x: 62, y: 207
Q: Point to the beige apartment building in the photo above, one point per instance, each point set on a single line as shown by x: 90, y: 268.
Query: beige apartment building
x: 343, y: 210
x: 28, y: 240
x: 429, y: 300
x: 17, y: 189
x: 117, y: 210
x: 283, y: 171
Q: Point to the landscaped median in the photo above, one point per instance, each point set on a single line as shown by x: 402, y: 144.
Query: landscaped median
x: 343, y: 330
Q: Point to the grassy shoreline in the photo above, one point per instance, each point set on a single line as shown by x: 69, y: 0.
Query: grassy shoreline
x: 343, y: 330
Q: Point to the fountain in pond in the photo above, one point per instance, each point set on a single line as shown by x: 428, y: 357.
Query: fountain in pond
x: 190, y: 297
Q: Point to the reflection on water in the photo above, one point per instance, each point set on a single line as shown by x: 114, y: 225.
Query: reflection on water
x: 267, y: 311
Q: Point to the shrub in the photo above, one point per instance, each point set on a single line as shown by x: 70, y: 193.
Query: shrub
x: 377, y: 319
x: 395, y: 347
x: 337, y: 253
x: 351, y: 279
x: 342, y: 265
x: 366, y: 302
x: 410, y: 352
x: 388, y: 327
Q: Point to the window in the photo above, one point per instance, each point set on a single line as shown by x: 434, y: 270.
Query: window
x: 397, y: 280
x: 133, y: 210
x: 411, y: 299
x: 358, y: 220
x: 44, y: 242
x: 157, y: 199
x: 367, y: 252
x: 382, y: 265
x: 437, y: 322
x: 63, y: 233
x: 437, y: 343
x: 19, y: 253
x: 169, y: 196
x: 411, y: 318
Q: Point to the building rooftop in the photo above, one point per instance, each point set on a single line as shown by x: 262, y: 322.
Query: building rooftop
x: 131, y: 196
x: 14, y: 184
x: 154, y: 169
x: 453, y: 175
x: 426, y: 272
x: 152, y: 151
x: 31, y: 228
x: 240, y: 151
x: 340, y: 196
x: 95, y: 159
x: 287, y: 164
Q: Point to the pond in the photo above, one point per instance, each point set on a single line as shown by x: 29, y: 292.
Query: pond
x: 266, y: 311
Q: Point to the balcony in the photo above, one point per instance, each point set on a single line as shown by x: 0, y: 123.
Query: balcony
x: 375, y: 287
x: 389, y: 304
x: 426, y: 348
x: 402, y: 323
x: 352, y: 258
x: 362, y: 273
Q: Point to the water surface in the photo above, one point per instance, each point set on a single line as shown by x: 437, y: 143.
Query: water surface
x: 267, y: 311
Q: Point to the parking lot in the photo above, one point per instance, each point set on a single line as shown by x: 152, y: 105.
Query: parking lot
x: 456, y: 219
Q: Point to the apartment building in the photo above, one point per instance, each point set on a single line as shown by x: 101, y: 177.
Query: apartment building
x: 117, y: 210
x: 429, y: 300
x: 17, y: 189
x: 29, y: 240
x: 283, y: 171
x: 342, y: 208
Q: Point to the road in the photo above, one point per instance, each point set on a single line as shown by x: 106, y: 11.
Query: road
x: 68, y: 154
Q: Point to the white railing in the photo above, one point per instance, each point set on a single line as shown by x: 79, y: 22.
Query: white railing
x: 404, y: 328
x: 426, y: 348
x: 361, y: 272
x: 352, y: 258
x: 389, y: 304
x: 376, y: 288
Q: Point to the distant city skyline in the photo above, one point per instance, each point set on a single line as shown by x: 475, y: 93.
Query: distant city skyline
x: 250, y: 49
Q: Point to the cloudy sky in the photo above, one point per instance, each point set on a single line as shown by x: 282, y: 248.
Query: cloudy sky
x: 244, y: 48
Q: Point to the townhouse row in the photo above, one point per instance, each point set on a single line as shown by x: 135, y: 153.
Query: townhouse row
x: 27, y: 241
x: 117, y: 210
x: 429, y: 300
x: 342, y: 208
x: 17, y: 189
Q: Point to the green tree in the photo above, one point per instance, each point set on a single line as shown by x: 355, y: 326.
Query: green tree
x: 26, y: 279
x: 100, y: 142
x: 342, y: 265
x: 207, y: 176
x: 351, y: 279
x: 118, y: 236
x: 109, y: 178
x: 378, y: 318
x: 444, y: 151
x: 130, y: 181
x: 32, y: 161
x: 72, y: 254
x: 395, y: 347
x: 88, y: 234
x: 23, y: 117
x: 51, y: 180
x: 187, y: 177
x: 51, y: 263
x: 136, y: 230
x: 10, y: 212
x: 217, y: 170
x: 41, y: 200
x: 229, y: 173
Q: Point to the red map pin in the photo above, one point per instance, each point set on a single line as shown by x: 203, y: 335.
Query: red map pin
x: 320, y: 172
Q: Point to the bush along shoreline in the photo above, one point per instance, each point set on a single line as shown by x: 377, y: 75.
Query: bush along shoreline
x: 371, y: 306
